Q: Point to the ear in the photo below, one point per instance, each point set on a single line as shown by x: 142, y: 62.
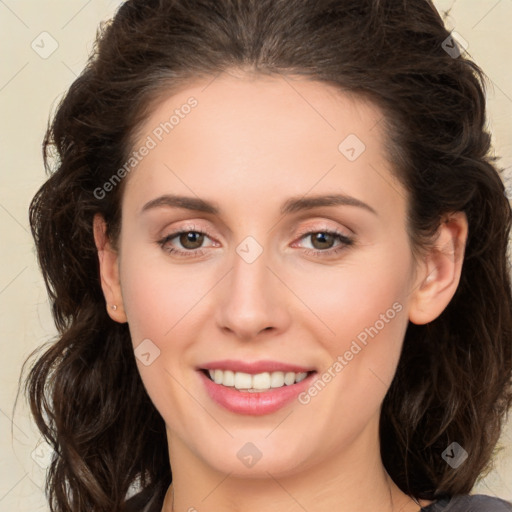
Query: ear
x: 440, y: 270
x: 109, y: 271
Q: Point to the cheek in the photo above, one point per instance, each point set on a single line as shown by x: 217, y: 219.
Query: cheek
x: 368, y: 310
x: 361, y: 356
x: 159, y: 301
x: 361, y: 311
x: 162, y: 302
x: 158, y: 296
x: 358, y: 300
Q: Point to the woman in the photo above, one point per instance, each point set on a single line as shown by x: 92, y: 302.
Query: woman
x: 275, y: 245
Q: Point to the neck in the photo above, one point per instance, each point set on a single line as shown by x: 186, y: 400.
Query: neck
x: 350, y: 481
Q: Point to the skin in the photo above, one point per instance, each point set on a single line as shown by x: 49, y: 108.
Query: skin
x: 249, y: 145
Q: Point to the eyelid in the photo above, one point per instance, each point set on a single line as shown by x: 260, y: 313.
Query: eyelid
x: 186, y: 228
x: 324, y: 228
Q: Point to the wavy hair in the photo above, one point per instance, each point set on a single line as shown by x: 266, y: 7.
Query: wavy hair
x: 453, y: 381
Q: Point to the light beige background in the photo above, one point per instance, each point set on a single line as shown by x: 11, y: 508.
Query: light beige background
x: 29, y: 88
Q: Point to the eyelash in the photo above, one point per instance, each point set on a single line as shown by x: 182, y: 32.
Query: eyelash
x: 195, y: 253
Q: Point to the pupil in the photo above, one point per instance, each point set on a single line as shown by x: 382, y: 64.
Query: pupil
x: 320, y: 237
x: 192, y: 237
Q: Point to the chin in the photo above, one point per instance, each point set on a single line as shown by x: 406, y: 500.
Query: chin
x: 256, y: 457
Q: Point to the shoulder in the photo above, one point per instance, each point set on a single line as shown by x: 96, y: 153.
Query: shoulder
x: 470, y: 503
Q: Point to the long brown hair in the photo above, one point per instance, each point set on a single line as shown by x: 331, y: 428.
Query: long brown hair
x: 453, y: 381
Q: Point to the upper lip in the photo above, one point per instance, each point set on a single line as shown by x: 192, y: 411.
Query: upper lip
x: 254, y: 367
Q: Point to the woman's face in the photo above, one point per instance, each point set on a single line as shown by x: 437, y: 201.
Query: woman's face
x: 296, y: 260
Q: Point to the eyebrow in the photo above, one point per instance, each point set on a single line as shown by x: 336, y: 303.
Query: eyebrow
x: 291, y: 205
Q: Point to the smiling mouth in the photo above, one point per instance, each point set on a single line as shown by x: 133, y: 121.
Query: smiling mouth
x: 255, y: 383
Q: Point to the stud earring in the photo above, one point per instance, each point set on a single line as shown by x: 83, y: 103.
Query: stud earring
x: 114, y: 307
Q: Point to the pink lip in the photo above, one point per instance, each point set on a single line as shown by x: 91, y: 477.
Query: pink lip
x: 254, y: 367
x: 255, y: 404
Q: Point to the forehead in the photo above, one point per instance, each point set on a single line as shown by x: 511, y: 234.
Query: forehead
x: 236, y: 133
x: 289, y: 105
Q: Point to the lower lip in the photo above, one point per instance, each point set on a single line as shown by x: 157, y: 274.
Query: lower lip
x: 257, y: 403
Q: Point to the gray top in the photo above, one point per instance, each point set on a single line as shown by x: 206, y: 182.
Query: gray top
x: 469, y: 503
x: 147, y: 501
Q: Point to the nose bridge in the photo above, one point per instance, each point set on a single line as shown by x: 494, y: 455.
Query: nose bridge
x: 250, y: 273
x: 252, y: 300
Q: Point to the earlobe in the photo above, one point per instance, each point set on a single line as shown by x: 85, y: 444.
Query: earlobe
x: 441, y: 270
x: 109, y: 271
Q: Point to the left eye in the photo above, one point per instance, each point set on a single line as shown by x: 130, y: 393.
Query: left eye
x: 324, y: 240
x: 189, y: 239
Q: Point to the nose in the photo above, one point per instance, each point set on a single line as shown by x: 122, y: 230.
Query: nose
x: 252, y: 300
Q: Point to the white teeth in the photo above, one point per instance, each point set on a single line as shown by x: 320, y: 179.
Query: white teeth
x: 242, y: 380
x: 277, y: 380
x: 289, y: 378
x: 218, y: 377
x: 228, y: 378
x: 261, y: 381
x: 258, y: 382
x: 300, y: 376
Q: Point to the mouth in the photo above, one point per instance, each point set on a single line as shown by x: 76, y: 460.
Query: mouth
x: 254, y: 388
